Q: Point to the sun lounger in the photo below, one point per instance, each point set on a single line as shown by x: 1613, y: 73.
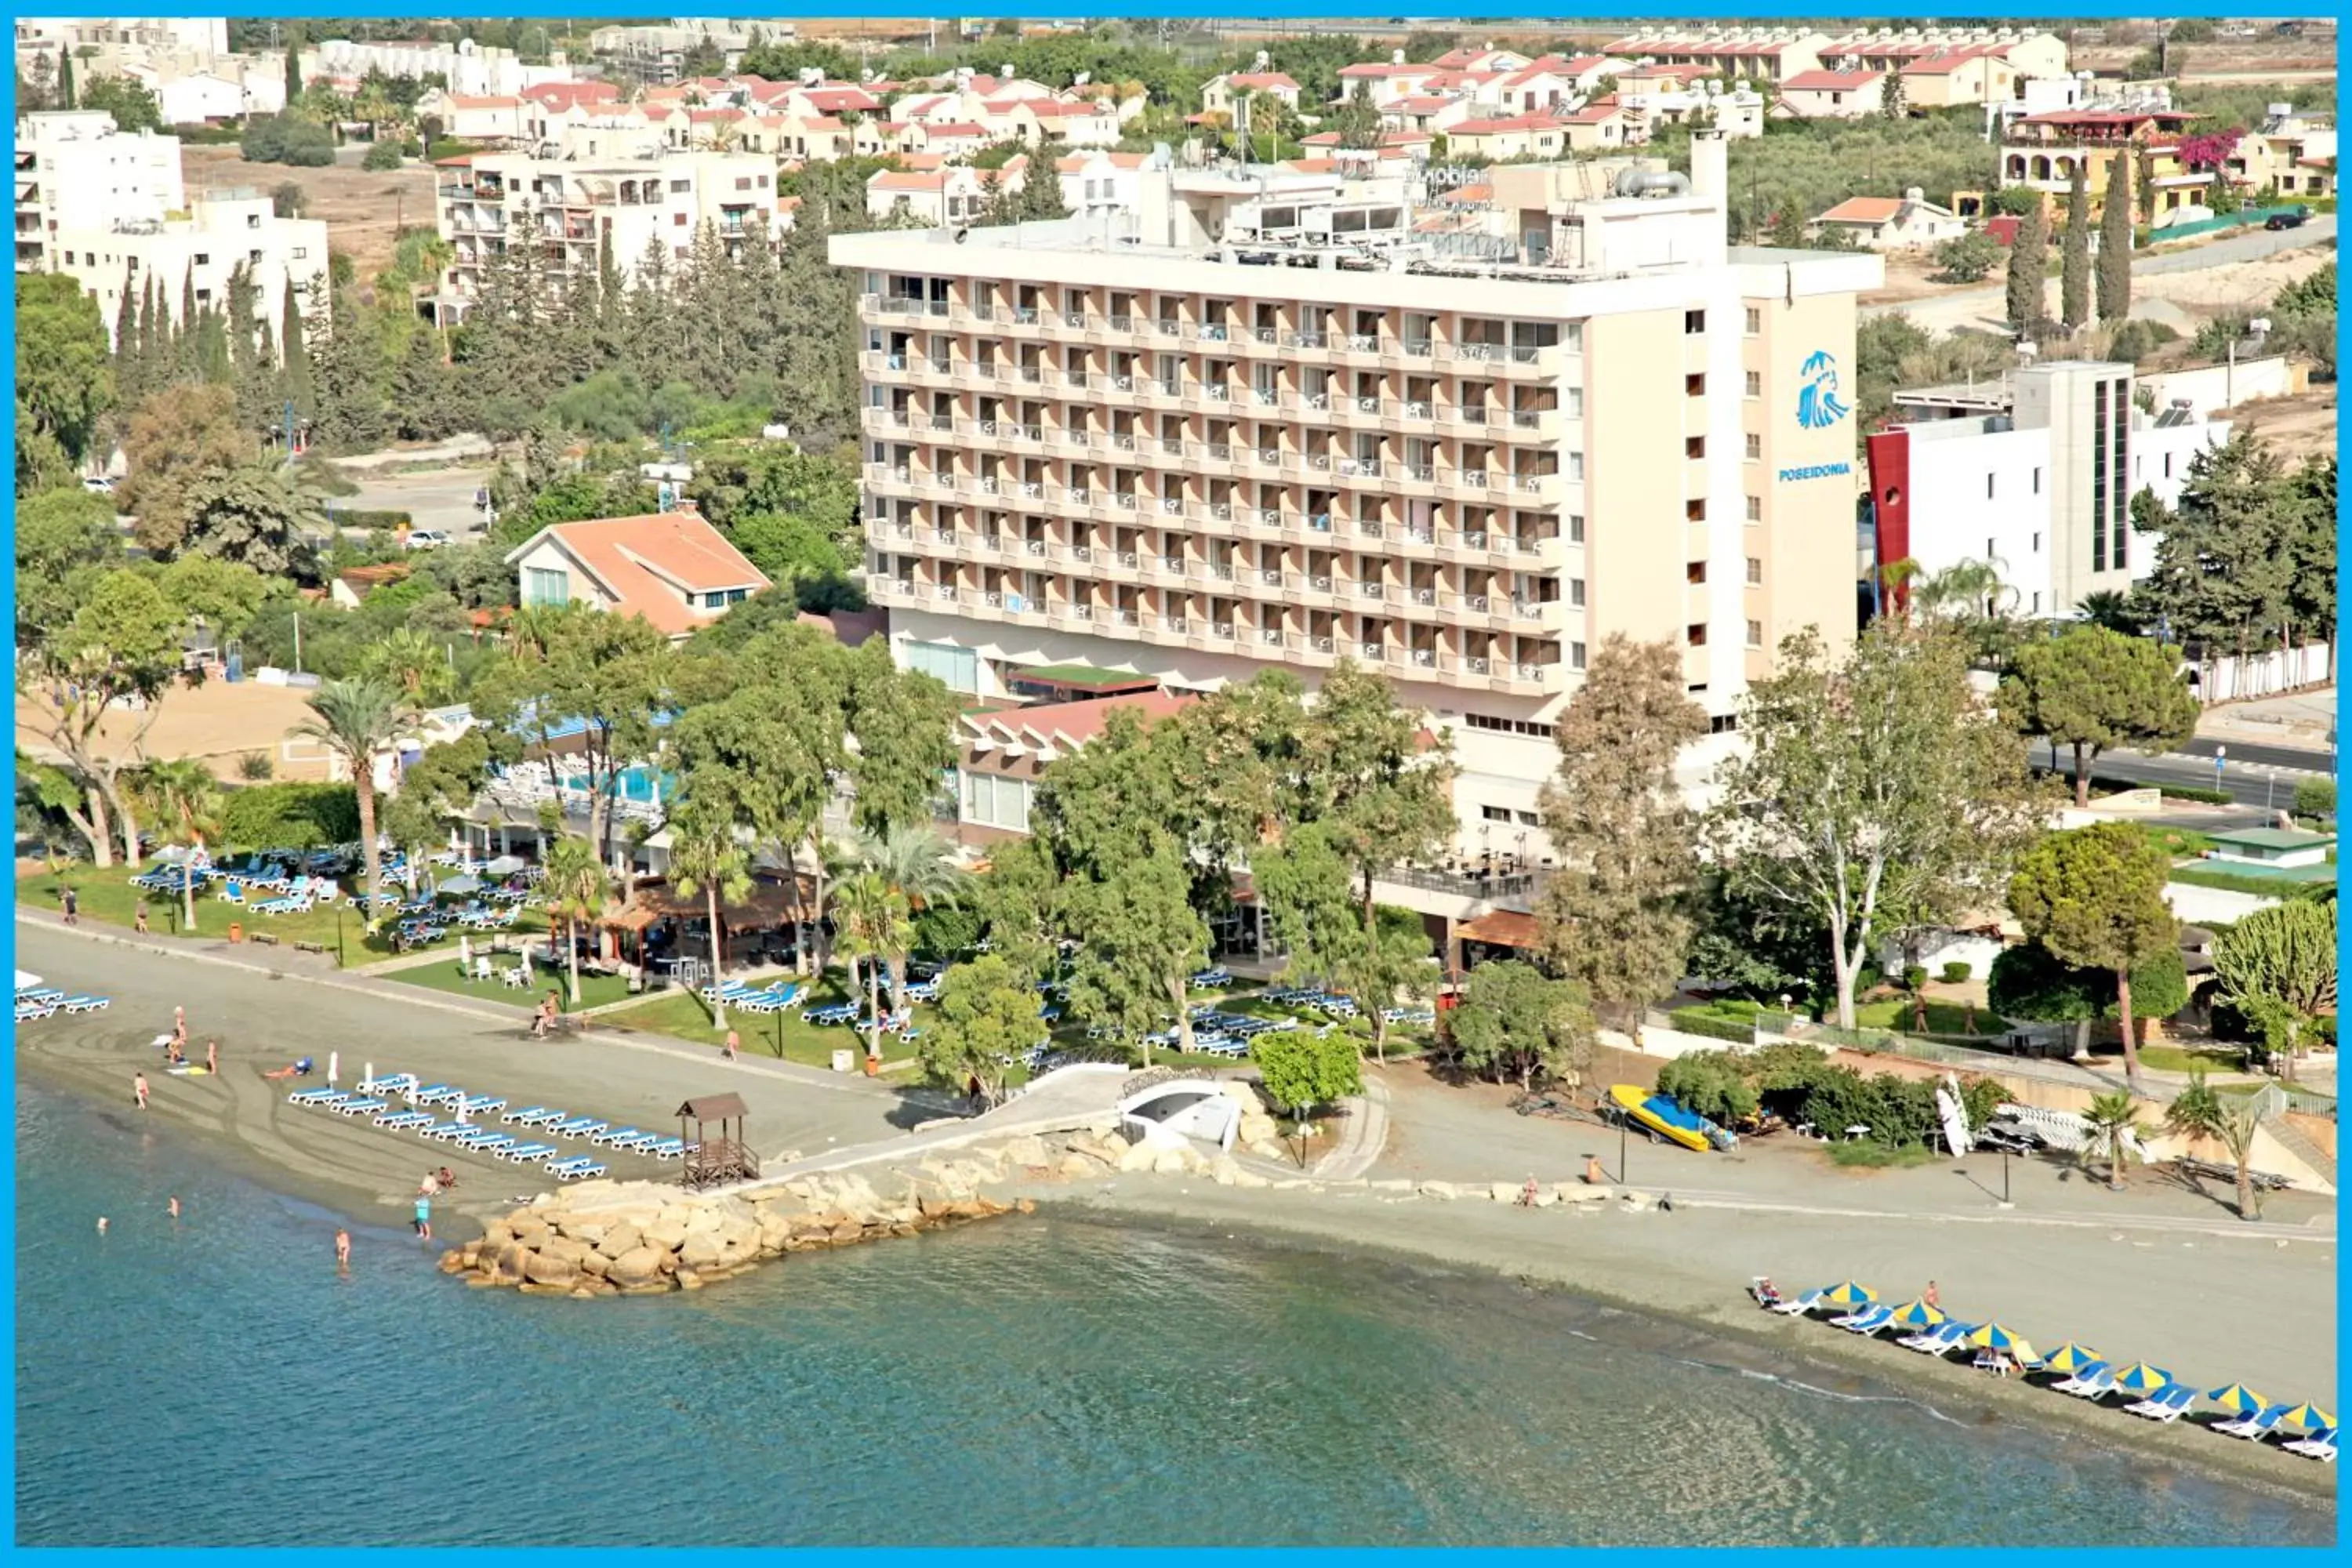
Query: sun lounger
x: 524, y: 1153
x: 85, y: 1003
x: 448, y: 1130
x: 487, y: 1143
x: 317, y: 1096
x: 640, y: 1143
x: 1871, y: 1322
x: 2256, y: 1427
x: 1944, y: 1337
x: 402, y: 1120
x: 575, y: 1170
x: 434, y: 1093
x: 30, y: 1012
x: 389, y: 1083
x: 49, y: 995
x: 2092, y: 1382
x: 482, y: 1104
x: 2320, y: 1445
x: 578, y: 1127
x: 359, y: 1107
x: 530, y: 1116
x: 1857, y: 1315
x: 668, y: 1149
x: 614, y: 1135
x: 2165, y: 1404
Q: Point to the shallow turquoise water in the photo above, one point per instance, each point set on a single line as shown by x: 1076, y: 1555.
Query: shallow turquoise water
x: 1045, y: 1380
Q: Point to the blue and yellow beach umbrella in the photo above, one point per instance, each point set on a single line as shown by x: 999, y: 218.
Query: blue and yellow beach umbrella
x: 2141, y: 1378
x: 2240, y: 1398
x: 1848, y: 1295
x: 2069, y: 1357
x: 2009, y: 1342
x: 1918, y: 1315
x: 2310, y: 1417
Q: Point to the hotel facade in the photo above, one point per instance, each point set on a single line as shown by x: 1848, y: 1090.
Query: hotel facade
x: 1278, y: 417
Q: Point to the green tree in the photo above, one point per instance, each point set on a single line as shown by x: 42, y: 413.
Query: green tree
x: 1140, y: 940
x: 704, y: 858
x: 575, y: 885
x: 295, y: 815
x: 2090, y: 687
x: 1511, y: 1022
x: 2029, y: 264
x: 2114, y: 1121
x: 1616, y: 914
x: 920, y: 865
x: 1872, y: 797
x: 2094, y: 898
x: 2277, y: 966
x: 1382, y: 782
x: 64, y: 538
x: 2312, y: 797
x: 2030, y: 984
x: 904, y: 723
x: 1966, y: 258
x: 2115, y: 242
x: 250, y: 516
x: 176, y: 439
x: 1302, y: 1068
x: 2074, y: 255
x: 381, y: 157
x: 2199, y: 1112
x: 1306, y: 888
x: 440, y: 785
x: 122, y: 644
x: 185, y: 800
x: 988, y: 1017
x: 131, y: 103
x: 64, y: 381
x: 1015, y: 902
x: 415, y: 662
x: 2112, y: 610
x: 358, y: 721
x: 2226, y: 558
x: 875, y: 927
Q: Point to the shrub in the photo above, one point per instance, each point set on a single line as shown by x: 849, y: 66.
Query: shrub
x: 370, y: 518
x: 1711, y: 1083
x: 2315, y: 797
x: 1914, y: 976
x: 281, y: 139
x: 382, y: 156
x: 442, y: 147
x: 290, y: 815
x: 1965, y: 259
x: 1957, y: 972
x: 256, y: 767
x: 1699, y: 1021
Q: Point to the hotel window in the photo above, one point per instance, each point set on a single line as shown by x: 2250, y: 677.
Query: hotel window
x: 956, y: 668
x: 1695, y: 384
x: 1988, y: 487
x: 202, y: 258
x: 1694, y: 447
x: 1755, y: 449
x: 1695, y: 509
x: 1576, y: 402
x: 1754, y: 571
x: 1754, y: 384
x: 1694, y: 322
x: 1576, y: 466
x: 995, y: 801
x: 1694, y: 572
x: 1576, y: 656
x: 1755, y: 509
x: 1756, y: 634
x: 1576, y: 528
x: 546, y: 586
x: 1495, y: 813
x: 2037, y: 545
x: 1754, y: 323
x: 2037, y: 476
x: 1696, y: 634
x: 1576, y: 593
x: 1575, y: 336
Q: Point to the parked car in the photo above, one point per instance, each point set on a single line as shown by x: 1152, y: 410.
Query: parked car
x: 97, y: 484
x: 2294, y: 217
x: 428, y: 538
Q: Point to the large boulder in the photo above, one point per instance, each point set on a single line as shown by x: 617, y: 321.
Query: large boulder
x: 1077, y: 1164
x: 547, y: 1268
x: 639, y: 1266
x: 618, y: 1239
x: 1440, y: 1190
x: 1139, y: 1157
x: 1028, y: 1151
x: 595, y: 1265
x: 1173, y: 1161
x: 702, y: 1221
x: 1504, y: 1192
x: 702, y: 1250
x: 669, y: 1232
x: 571, y: 1250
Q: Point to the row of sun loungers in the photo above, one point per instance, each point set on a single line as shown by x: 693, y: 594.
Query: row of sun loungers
x: 460, y: 1135
x: 43, y: 1002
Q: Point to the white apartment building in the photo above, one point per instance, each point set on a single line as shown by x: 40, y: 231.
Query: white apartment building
x: 75, y: 172
x: 487, y: 200
x: 2035, y: 473
x: 1272, y: 421
x: 470, y: 70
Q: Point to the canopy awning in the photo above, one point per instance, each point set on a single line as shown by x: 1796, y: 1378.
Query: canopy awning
x: 769, y: 904
x: 1500, y: 927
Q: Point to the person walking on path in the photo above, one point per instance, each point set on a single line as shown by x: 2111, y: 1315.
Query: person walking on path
x: 139, y: 1089
x: 1527, y: 1193
x: 734, y: 1046
x: 72, y: 902
x: 139, y: 919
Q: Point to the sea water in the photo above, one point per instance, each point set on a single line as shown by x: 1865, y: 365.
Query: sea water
x: 215, y: 1380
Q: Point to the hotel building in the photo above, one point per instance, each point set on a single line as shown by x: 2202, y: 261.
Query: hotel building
x: 1276, y: 417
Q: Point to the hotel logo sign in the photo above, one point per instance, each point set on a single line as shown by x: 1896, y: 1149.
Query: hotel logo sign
x: 1818, y: 404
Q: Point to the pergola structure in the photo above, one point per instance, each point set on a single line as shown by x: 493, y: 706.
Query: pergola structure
x: 713, y: 1159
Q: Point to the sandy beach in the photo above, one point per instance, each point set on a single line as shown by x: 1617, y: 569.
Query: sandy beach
x: 2162, y: 1275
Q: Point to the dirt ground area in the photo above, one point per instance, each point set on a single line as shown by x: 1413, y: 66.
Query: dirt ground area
x: 2211, y: 290
x: 2295, y: 428
x: 362, y: 211
x: 217, y: 722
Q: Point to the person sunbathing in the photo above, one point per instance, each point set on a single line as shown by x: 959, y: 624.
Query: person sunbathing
x: 297, y: 1069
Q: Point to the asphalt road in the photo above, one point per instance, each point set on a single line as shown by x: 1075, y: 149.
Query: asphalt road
x: 2261, y: 788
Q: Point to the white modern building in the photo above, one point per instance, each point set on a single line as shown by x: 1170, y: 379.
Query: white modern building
x: 111, y: 211
x: 467, y: 67
x: 2033, y: 473
x: 1280, y: 416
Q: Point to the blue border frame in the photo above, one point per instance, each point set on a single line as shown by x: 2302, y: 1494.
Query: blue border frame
x: 1441, y: 11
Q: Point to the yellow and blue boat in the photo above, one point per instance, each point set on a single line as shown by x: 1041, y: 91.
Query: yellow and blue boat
x: 1666, y: 1118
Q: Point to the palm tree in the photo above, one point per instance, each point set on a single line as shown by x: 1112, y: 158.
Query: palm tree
x: 875, y: 926
x: 355, y: 719
x: 2113, y: 1119
x: 575, y: 885
x: 918, y: 864
x: 1895, y: 579
x: 530, y: 628
x: 2200, y: 1112
x: 2112, y: 610
x: 412, y: 661
x: 182, y: 791
x: 1971, y: 596
x: 704, y: 857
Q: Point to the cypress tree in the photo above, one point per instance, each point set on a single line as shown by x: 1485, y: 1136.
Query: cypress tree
x: 2115, y: 242
x: 65, y: 80
x: 293, y: 66
x: 2029, y: 259
x: 126, y: 344
x: 294, y: 346
x: 2074, y: 258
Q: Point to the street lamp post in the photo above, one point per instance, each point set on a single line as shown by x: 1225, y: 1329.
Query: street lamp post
x: 2220, y: 757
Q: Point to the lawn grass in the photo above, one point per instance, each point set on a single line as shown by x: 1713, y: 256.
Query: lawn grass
x: 685, y: 1017
x: 107, y: 897
x: 1866, y: 1155
x: 2183, y: 1058
x: 2181, y: 843
x: 2285, y: 886
x: 596, y: 990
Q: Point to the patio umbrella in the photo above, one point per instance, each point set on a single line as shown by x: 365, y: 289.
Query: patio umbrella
x: 2310, y: 1417
x: 2238, y: 1397
x: 1848, y: 1295
x: 1918, y: 1315
x: 506, y: 866
x: 2069, y: 1357
x: 2010, y: 1343
x: 2141, y: 1378
x: 460, y: 885
x: 26, y: 980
